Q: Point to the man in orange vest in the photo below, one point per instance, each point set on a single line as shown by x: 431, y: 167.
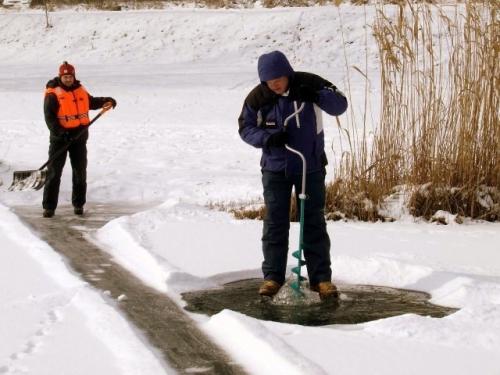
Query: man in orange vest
x: 66, y: 109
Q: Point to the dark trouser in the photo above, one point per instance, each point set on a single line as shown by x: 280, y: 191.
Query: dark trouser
x: 78, y: 158
x: 277, y: 193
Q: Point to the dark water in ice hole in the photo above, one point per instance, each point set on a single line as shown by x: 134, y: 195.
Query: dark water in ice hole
x: 357, y: 303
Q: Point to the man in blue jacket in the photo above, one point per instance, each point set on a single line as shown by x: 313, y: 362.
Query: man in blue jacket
x: 261, y: 124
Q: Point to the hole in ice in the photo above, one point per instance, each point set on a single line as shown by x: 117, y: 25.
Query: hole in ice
x: 357, y: 303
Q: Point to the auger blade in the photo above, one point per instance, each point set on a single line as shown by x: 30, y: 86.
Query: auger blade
x: 28, y: 180
x: 297, y: 254
x: 296, y: 270
x: 296, y: 287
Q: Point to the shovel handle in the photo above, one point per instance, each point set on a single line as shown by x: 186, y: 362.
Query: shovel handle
x: 106, y: 107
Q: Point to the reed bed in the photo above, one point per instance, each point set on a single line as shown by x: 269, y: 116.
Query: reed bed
x: 439, y: 131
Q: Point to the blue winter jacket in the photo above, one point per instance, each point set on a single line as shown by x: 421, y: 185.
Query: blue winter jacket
x: 264, y: 113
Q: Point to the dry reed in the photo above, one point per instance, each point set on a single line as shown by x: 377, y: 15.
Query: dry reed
x: 439, y: 131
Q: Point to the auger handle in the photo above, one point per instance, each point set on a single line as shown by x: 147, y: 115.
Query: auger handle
x: 295, y: 114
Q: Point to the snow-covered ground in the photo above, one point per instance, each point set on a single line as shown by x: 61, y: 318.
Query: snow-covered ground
x: 180, y: 77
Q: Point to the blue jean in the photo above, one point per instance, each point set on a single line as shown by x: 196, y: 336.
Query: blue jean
x: 277, y: 194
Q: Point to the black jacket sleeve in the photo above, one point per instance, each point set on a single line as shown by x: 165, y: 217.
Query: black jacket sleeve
x: 250, y: 119
x: 330, y: 99
x: 97, y: 102
x: 50, y: 109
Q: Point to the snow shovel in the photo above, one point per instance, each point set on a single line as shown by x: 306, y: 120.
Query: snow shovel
x: 295, y: 285
x: 35, y: 179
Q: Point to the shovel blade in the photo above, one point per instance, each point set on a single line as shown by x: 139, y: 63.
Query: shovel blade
x: 28, y: 180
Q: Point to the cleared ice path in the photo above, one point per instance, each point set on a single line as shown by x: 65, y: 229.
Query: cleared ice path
x: 167, y: 327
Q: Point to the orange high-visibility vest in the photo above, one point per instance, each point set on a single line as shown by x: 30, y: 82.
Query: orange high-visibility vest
x: 73, y: 106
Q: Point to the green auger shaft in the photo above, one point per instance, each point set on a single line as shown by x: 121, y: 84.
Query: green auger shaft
x: 298, y: 254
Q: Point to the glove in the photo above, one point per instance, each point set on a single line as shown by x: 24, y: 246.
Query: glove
x: 278, y: 139
x: 113, y: 101
x: 307, y: 94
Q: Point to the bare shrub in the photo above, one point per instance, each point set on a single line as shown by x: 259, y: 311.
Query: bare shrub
x: 350, y: 202
x: 97, y: 4
x: 480, y: 203
x: 253, y: 210
x: 215, y: 4
x: 285, y: 3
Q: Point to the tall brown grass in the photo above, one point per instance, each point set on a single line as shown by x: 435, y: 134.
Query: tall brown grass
x: 439, y: 131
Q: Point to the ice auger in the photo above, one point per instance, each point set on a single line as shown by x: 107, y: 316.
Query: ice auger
x: 295, y: 285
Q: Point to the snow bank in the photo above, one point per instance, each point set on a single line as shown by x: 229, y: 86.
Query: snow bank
x: 183, y: 35
x: 263, y: 352
x: 45, y: 307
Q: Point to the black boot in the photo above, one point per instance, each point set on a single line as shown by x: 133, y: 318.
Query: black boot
x: 48, y: 212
